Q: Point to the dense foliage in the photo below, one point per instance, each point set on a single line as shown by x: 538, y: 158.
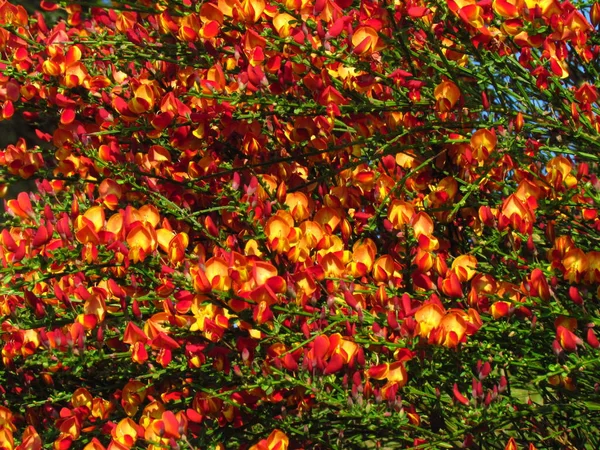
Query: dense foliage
x: 301, y: 224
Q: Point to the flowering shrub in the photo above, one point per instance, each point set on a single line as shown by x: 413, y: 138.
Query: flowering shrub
x: 301, y: 224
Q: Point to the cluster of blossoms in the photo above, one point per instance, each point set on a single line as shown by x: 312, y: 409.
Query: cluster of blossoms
x: 275, y: 225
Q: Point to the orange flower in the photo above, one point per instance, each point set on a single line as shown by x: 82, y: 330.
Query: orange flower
x: 592, y: 274
x: 446, y: 95
x: 366, y: 40
x: 428, y: 317
x: 444, y: 192
x: 299, y: 206
x: 251, y: 10
x: 548, y: 7
x: 464, y: 267
x: 529, y: 193
x: 277, y: 440
x: 31, y: 439
x: 424, y: 260
x: 142, y: 241
x: 217, y: 274
x: 142, y: 101
x: 508, y: 9
x: 329, y: 218
x: 283, y: 24
x: 13, y: 14
x: 393, y: 372
x: 517, y: 214
x: 363, y: 256
x: 451, y: 285
x: 400, y: 213
x: 126, y: 432
x: 473, y: 15
x: 567, y: 339
x: 452, y: 328
x: 483, y: 143
x: 500, y: 309
x: 559, y: 173
x: 189, y: 28
x: 81, y: 397
x: 332, y: 265
x: 133, y: 395
x: 576, y: 265
x: 277, y: 230
x: 447, y: 328
x: 539, y: 285
x: 160, y: 431
x: 386, y: 269
x: 6, y: 419
x: 422, y: 224
x: 96, y: 305
x: 346, y: 348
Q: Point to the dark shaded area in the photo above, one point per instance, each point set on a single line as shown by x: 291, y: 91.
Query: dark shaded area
x: 10, y: 132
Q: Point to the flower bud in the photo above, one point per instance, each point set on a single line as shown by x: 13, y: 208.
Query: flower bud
x: 595, y: 14
x: 519, y: 122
